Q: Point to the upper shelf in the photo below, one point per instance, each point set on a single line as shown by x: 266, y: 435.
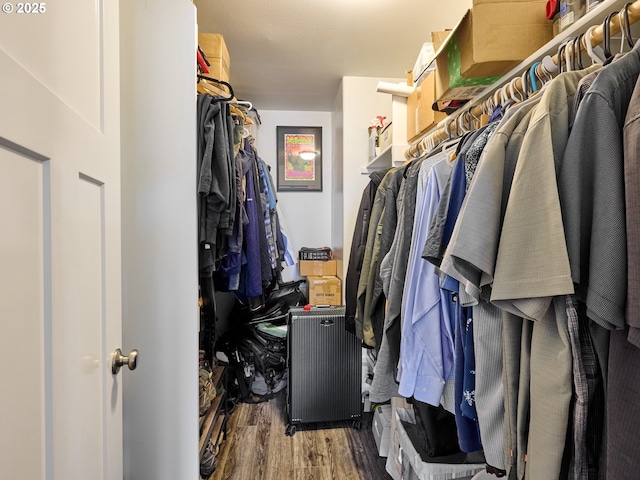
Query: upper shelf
x: 594, y: 17
x: 393, y: 155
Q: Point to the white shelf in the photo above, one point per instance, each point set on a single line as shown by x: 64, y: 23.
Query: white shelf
x: 391, y: 156
x: 394, y: 154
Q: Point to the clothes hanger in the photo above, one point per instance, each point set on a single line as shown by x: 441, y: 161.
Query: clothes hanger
x: 460, y: 128
x: 577, y: 53
x: 249, y: 105
x: 450, y: 143
x: 524, y: 81
x: 568, y: 56
x: 625, y: 27
x: 549, y: 67
x: 533, y: 74
x: 595, y: 53
x: 447, y: 129
x: 503, y: 95
x: 513, y: 90
x: 560, y: 57
x: 220, y: 82
x: 473, y: 120
x: 496, y: 98
x: 542, y: 76
x: 606, y: 34
x: 487, y: 106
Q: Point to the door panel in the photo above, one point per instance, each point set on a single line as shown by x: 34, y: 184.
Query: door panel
x: 81, y: 355
x: 63, y: 49
x: 60, y: 97
x: 22, y: 308
x: 60, y: 127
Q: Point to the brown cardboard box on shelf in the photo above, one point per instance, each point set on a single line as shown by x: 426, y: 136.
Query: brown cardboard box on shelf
x: 420, y: 114
x: 215, y: 49
x: 318, y: 268
x: 439, y: 37
x: 385, y: 138
x: 325, y: 291
x: 489, y: 40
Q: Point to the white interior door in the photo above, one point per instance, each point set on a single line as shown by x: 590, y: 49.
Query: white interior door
x: 159, y: 238
x: 60, y: 269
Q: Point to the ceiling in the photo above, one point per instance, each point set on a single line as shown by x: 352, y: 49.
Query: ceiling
x: 291, y: 54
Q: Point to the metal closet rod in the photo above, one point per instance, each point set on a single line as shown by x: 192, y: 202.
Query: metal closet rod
x: 453, y: 124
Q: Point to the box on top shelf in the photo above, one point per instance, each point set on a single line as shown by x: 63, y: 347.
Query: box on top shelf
x: 385, y: 137
x: 318, y: 268
x: 215, y: 49
x: 420, y: 114
x: 489, y: 40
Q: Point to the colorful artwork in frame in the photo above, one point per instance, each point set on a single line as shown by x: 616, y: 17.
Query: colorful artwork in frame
x: 299, y: 159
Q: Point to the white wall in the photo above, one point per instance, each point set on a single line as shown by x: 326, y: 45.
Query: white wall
x: 306, y: 214
x: 337, y: 198
x: 360, y: 104
x: 328, y: 217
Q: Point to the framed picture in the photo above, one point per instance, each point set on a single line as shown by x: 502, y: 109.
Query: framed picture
x: 299, y: 159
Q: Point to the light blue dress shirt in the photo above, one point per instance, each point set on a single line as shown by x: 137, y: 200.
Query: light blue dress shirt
x: 421, y: 371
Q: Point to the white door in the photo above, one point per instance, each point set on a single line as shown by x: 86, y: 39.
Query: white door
x: 159, y: 238
x: 61, y: 301
x: 60, y: 294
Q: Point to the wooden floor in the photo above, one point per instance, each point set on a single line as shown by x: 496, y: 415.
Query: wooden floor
x: 257, y: 448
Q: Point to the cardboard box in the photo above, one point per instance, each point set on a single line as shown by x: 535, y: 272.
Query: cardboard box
x: 381, y: 427
x: 489, y: 40
x: 215, y: 49
x: 325, y: 291
x: 420, y: 114
x: 385, y: 138
x: 439, y: 37
x: 318, y: 268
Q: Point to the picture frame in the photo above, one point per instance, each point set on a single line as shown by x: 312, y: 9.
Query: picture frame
x: 299, y: 159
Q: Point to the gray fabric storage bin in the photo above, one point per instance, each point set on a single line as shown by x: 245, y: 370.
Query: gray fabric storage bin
x: 404, y: 461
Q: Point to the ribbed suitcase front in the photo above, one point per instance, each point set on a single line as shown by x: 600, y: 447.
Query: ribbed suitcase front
x: 325, y: 367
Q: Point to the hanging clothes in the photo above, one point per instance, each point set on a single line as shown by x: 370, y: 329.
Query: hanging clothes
x: 392, y: 272
x: 358, y: 247
x: 425, y: 363
x: 372, y: 249
x: 386, y: 227
x: 241, y: 242
x: 216, y: 180
x: 531, y: 240
x: 600, y: 276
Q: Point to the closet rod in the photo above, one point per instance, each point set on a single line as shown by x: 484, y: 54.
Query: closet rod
x: 441, y: 133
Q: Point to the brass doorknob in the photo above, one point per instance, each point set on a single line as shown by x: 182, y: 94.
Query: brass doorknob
x: 119, y: 360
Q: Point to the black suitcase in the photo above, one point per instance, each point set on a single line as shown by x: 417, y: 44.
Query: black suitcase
x: 325, y: 368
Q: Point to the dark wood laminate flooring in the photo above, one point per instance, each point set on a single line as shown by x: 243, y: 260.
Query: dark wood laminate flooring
x: 257, y: 448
